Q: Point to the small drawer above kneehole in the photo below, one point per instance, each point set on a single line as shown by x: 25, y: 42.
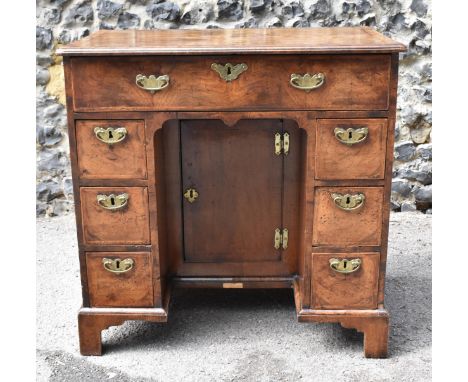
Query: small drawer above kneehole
x: 111, y: 149
x: 345, y: 280
x: 351, y: 149
x: 115, y: 215
x: 119, y: 279
x: 348, y: 216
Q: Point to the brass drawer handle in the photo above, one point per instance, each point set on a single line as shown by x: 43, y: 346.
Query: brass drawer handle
x: 112, y: 202
x: 351, y: 136
x: 152, y: 83
x: 117, y: 265
x: 345, y: 265
x: 307, y: 82
x: 229, y: 72
x: 110, y: 135
x: 348, y: 202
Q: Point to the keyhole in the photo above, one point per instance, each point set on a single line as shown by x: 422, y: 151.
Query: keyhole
x: 348, y: 200
x: 110, y: 135
x: 117, y: 264
x: 191, y: 193
x: 345, y: 263
x: 112, y: 201
x: 350, y: 135
x: 229, y: 70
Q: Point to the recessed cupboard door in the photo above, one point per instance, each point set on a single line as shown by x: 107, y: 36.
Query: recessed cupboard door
x: 232, y: 186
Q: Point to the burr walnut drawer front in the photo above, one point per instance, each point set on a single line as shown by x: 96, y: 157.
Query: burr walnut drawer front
x: 348, y: 216
x: 115, y: 215
x: 111, y: 149
x: 119, y: 279
x: 345, y: 280
x: 350, y: 149
x: 241, y: 82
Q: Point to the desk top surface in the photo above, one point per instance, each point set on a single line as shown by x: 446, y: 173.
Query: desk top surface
x: 233, y: 41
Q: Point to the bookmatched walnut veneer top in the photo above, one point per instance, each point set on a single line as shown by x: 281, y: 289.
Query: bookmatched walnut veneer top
x: 233, y: 41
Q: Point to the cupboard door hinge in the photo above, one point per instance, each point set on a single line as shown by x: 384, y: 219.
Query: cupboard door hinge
x: 281, y: 238
x: 281, y: 143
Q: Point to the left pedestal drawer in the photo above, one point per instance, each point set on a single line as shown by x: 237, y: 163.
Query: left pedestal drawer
x: 119, y: 279
x: 115, y: 215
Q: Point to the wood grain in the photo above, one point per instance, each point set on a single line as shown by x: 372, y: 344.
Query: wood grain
x: 337, y: 161
x: 123, y: 160
x: 127, y: 226
x: 333, y: 290
x: 222, y: 41
x: 354, y: 82
x: 130, y: 289
x: 333, y: 226
x: 238, y: 176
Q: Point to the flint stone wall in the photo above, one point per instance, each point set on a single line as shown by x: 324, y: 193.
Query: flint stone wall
x: 408, y: 21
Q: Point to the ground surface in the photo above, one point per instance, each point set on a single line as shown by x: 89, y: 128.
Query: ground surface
x: 234, y: 335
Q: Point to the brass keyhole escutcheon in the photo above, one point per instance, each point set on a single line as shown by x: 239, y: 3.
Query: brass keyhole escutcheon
x: 191, y: 195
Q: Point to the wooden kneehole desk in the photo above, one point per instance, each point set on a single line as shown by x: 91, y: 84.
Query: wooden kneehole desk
x: 244, y: 158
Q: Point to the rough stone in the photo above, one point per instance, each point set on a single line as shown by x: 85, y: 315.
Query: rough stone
x: 257, y: 5
x: 54, y: 162
x: 419, y: 7
x: 292, y: 10
x: 51, y: 16
x: 420, y: 172
x: 107, y: 9
x: 423, y: 194
x: 230, y: 9
x: 47, y: 191
x: 401, y: 187
x: 198, y: 13
x: 165, y: 11
x: 128, y: 20
x: 43, y: 38
x: 48, y: 135
x: 424, y: 151
x: 404, y: 151
x: 138, y: 2
x: 42, y: 76
x: 81, y: 14
x: 320, y: 10
x: 407, y: 206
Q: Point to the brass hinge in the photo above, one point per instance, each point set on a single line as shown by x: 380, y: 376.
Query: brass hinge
x: 281, y: 143
x: 281, y: 238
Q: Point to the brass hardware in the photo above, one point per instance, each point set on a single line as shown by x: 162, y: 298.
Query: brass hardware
x: 229, y: 72
x: 285, y: 238
x: 278, y: 144
x: 281, y: 238
x: 345, y: 265
x: 281, y: 143
x: 351, y: 136
x: 191, y: 195
x: 307, y: 82
x: 110, y: 135
x: 277, y: 238
x: 233, y: 285
x: 152, y: 83
x: 286, y: 143
x: 112, y: 202
x: 348, y: 202
x: 117, y: 265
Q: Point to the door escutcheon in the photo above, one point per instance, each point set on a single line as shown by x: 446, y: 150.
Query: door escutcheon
x: 191, y: 195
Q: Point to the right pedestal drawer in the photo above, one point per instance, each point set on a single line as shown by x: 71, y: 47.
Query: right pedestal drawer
x: 351, y: 149
x: 345, y: 280
x: 348, y: 216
